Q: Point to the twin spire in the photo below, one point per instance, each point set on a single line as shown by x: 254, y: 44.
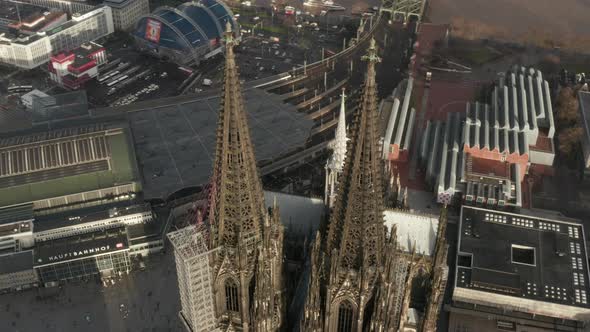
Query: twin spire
x: 238, y: 209
x: 356, y: 250
x: 356, y: 222
x: 247, y: 239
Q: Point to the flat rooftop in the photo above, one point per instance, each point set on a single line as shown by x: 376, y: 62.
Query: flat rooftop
x: 16, y: 262
x: 16, y: 214
x: 65, y: 161
x: 175, y: 143
x: 34, y: 93
x: 87, y: 215
x: 15, y: 220
x: 81, y: 246
x: 524, y: 260
x: 82, y: 54
x: 10, y: 12
x: 25, y: 39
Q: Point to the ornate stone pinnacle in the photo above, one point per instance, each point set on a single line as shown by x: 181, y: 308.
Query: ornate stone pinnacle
x: 372, y: 53
x: 229, y: 36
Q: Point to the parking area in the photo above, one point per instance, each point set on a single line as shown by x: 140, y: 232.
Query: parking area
x: 132, y: 76
x: 272, y: 43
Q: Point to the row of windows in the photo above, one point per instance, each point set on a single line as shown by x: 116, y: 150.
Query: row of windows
x: 90, y: 29
x: 18, y: 277
x: 116, y: 262
x: 57, y: 154
x: 148, y: 246
x: 41, y: 137
x: 68, y: 6
x: 231, y: 296
x: 85, y: 228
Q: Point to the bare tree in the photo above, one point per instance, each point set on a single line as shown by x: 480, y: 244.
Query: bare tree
x: 567, y: 108
x: 568, y: 139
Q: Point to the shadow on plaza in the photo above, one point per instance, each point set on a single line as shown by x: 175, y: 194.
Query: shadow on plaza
x: 141, y: 301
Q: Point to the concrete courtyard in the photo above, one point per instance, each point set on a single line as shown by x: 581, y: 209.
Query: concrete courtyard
x: 145, y: 301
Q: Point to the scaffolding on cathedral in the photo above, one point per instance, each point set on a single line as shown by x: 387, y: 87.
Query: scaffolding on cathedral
x: 194, y: 278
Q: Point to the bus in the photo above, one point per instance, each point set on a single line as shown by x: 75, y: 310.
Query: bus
x: 20, y: 88
x: 186, y: 70
x: 108, y: 75
x: 115, y: 81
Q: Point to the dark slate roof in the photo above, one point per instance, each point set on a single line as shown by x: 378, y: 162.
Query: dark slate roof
x: 81, y: 246
x: 87, y: 215
x: 560, y: 268
x: 16, y: 262
x: 16, y: 213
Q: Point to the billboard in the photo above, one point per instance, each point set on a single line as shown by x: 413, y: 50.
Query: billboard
x: 152, y: 30
x: 72, y: 248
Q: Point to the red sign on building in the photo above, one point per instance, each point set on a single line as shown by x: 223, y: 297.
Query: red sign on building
x: 152, y: 31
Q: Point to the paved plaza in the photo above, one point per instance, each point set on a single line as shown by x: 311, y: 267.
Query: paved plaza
x: 145, y: 301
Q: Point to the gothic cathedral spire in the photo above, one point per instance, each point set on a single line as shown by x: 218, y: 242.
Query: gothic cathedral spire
x: 335, y: 163
x: 246, y: 239
x: 358, y: 209
x: 356, y: 242
x: 439, y: 275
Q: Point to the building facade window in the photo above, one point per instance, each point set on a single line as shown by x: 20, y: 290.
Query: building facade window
x: 231, y: 296
x: 345, y: 317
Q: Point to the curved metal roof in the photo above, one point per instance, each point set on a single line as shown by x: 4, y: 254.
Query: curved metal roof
x: 189, y: 29
x: 190, y: 25
x: 207, y: 20
x: 221, y: 12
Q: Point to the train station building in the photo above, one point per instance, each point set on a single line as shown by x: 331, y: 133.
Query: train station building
x: 186, y: 34
x: 103, y: 253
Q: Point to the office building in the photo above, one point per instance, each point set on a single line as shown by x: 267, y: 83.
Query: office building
x: 28, y: 98
x: 16, y: 271
x: 16, y: 228
x: 518, y: 272
x: 16, y: 240
x: 28, y: 19
x: 32, y: 50
x: 127, y: 12
x: 71, y: 70
x: 102, y: 253
x: 69, y: 6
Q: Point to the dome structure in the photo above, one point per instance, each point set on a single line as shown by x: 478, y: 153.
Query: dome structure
x: 187, y: 33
